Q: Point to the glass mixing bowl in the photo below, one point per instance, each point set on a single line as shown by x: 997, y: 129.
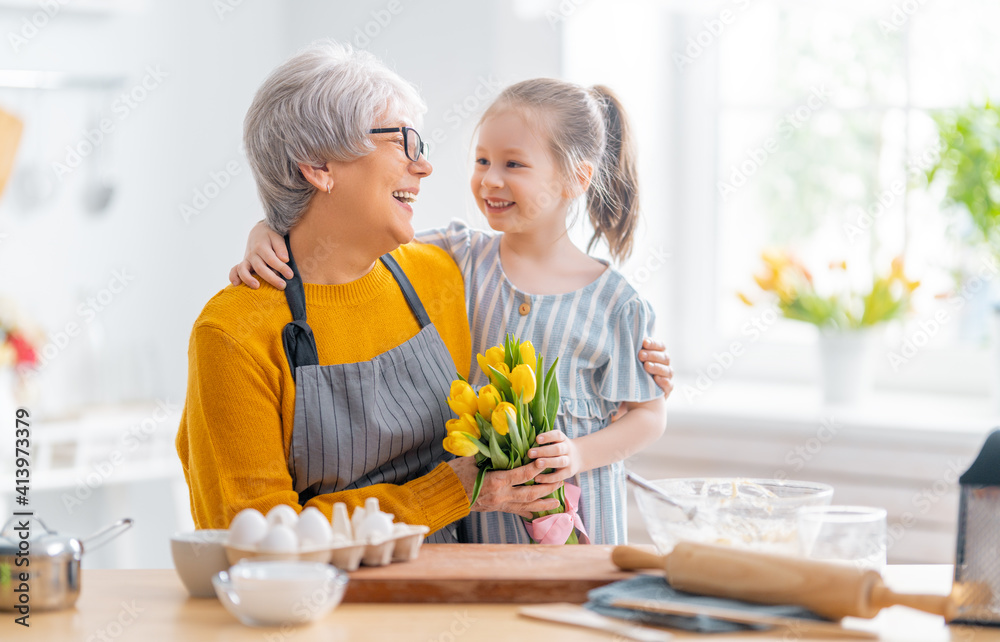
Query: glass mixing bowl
x: 757, y: 514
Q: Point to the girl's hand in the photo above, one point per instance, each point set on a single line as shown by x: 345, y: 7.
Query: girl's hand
x: 657, y: 363
x: 266, y: 255
x: 560, y: 453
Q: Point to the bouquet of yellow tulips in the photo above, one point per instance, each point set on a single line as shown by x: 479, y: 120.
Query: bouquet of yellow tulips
x: 788, y: 280
x: 499, y: 424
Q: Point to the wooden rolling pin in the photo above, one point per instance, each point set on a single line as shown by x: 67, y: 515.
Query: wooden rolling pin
x: 830, y: 590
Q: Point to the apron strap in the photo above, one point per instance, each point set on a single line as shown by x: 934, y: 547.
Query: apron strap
x: 407, y: 288
x: 297, y: 337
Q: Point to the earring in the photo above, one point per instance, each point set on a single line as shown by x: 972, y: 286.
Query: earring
x: 329, y: 188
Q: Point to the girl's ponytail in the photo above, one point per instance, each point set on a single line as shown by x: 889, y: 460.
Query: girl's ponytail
x: 613, y: 196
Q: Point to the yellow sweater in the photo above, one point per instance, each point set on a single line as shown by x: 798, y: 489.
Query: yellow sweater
x: 236, y: 430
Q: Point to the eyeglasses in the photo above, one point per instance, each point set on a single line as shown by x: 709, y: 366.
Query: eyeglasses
x: 412, y: 145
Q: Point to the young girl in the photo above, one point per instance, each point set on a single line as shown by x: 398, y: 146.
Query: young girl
x: 542, y: 145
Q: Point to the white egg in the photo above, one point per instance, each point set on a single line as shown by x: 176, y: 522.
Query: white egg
x: 376, y: 526
x: 280, y: 539
x: 282, y: 514
x: 313, y: 529
x: 247, y: 528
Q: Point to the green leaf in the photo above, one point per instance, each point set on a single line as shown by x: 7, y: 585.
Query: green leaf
x: 551, y: 395
x: 502, y: 384
x: 459, y: 375
x: 478, y: 486
x: 500, y: 459
x: 538, y: 403
x: 480, y: 445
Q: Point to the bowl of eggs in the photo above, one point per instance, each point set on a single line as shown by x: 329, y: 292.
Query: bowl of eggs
x: 368, y: 536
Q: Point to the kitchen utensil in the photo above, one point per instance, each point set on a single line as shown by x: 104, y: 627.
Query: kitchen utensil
x: 489, y: 573
x: 280, y: 593
x: 53, y: 563
x: 977, y: 556
x: 756, y: 514
x: 688, y: 511
x: 199, y: 557
x: 795, y: 626
x: 846, y: 534
x: 578, y: 616
x: 829, y: 590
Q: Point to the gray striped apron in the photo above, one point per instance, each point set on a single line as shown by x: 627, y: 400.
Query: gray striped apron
x: 373, y: 422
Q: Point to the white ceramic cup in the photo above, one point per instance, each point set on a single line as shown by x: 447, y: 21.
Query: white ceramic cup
x: 198, y: 557
x: 847, y: 534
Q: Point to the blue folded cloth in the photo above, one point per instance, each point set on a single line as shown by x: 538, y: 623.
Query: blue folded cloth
x: 653, y: 587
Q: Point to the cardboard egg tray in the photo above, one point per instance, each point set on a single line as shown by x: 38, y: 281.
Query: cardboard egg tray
x: 402, y: 546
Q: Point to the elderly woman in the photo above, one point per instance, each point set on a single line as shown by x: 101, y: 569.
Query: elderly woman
x: 334, y: 389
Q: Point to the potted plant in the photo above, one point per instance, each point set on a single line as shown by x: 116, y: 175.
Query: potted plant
x: 844, y: 315
x: 968, y: 166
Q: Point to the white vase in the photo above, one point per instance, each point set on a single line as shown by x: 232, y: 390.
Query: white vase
x: 846, y: 363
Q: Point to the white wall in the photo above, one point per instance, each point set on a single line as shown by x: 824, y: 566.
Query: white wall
x: 188, y: 128
x: 185, y: 130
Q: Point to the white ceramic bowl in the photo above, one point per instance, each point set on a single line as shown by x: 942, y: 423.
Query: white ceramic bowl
x: 280, y: 593
x: 198, y: 557
x: 757, y: 514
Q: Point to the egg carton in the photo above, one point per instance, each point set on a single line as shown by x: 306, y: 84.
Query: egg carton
x: 402, y: 546
x: 358, y: 540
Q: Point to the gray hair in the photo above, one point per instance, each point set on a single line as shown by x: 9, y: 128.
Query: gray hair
x: 317, y: 107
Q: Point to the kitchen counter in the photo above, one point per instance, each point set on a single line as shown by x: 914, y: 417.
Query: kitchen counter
x: 152, y: 606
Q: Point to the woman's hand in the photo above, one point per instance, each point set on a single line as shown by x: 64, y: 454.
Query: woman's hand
x: 557, y: 451
x: 657, y: 363
x: 502, y: 489
x: 266, y: 255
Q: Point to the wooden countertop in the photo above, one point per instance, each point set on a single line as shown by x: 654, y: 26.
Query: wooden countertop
x: 152, y: 606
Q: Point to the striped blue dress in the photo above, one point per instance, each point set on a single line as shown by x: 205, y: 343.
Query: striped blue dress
x: 596, y: 332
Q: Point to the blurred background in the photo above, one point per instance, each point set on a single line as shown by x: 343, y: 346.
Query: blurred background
x: 846, y: 156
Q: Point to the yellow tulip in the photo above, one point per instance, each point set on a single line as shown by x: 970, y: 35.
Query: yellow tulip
x: 898, y: 269
x: 493, y: 357
x: 522, y: 381
x: 462, y: 399
x: 465, y: 423
x: 458, y: 444
x: 776, y: 260
x: 766, y: 282
x: 501, y: 414
x: 489, y: 397
x: 528, y: 354
x: 502, y: 367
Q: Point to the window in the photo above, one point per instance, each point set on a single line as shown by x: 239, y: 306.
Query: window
x: 807, y: 125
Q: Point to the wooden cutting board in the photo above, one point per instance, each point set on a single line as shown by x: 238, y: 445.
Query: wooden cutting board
x: 488, y: 573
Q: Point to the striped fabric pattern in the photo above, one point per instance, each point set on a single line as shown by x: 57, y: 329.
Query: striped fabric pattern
x: 596, y: 332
